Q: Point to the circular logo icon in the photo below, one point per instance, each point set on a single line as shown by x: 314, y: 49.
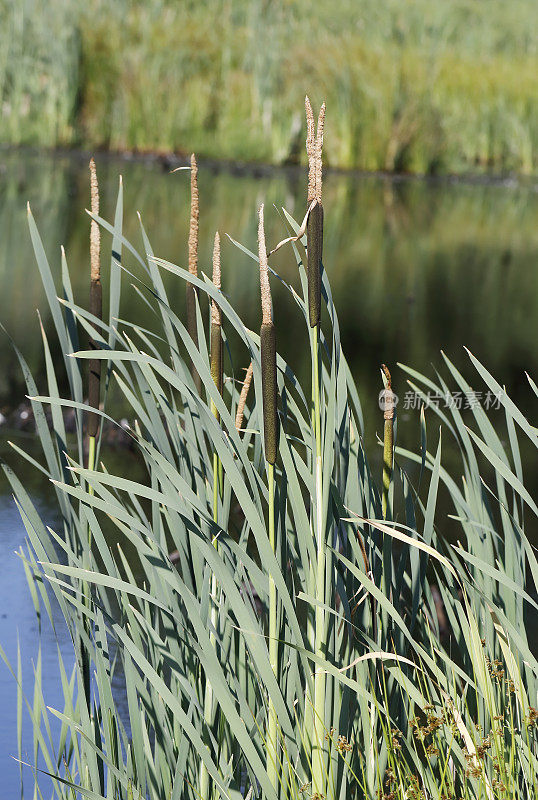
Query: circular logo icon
x: 387, y: 399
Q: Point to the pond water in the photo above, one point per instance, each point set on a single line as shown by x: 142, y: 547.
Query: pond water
x: 415, y: 266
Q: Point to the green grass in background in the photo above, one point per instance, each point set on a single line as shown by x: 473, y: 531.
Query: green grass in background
x: 416, y: 85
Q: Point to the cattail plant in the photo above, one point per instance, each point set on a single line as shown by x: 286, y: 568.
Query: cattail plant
x: 191, y: 291
x: 217, y: 375
x: 96, y: 308
x: 314, y: 250
x: 388, y: 405
x: 270, y: 433
x: 94, y: 383
x: 314, y: 225
x: 216, y: 361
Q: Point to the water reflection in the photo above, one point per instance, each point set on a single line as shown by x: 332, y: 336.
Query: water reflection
x: 414, y: 266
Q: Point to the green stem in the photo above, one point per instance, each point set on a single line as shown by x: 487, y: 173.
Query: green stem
x: 318, y: 766
x: 388, y: 442
x: 208, y: 698
x: 85, y: 656
x: 272, y: 731
x: 91, y: 463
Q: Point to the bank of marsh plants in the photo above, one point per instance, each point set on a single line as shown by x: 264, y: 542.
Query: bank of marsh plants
x: 424, y: 86
x: 316, y: 635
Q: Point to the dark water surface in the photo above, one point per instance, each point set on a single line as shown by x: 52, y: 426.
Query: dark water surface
x: 415, y: 266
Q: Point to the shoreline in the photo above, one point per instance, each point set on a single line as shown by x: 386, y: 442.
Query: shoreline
x: 259, y: 169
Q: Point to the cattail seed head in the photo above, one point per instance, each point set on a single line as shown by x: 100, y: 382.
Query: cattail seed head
x: 310, y: 150
x: 216, y: 326
x: 314, y: 151
x: 190, y: 290
x: 388, y: 397
x: 314, y: 254
x: 388, y: 402
x: 269, y: 391
x: 96, y: 302
x: 216, y: 359
x: 243, y: 398
x: 314, y: 225
x: 319, y: 152
x: 216, y: 315
x: 268, y: 353
x: 265, y: 289
x: 194, y: 221
x: 95, y: 233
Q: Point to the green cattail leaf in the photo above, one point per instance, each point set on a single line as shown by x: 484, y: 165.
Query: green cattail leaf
x: 314, y: 251
x: 269, y: 391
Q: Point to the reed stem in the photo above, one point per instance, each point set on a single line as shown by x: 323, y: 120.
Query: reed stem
x: 217, y: 375
x: 270, y: 430
x: 91, y: 467
x: 318, y: 765
x: 94, y: 393
x: 388, y: 440
x: 272, y: 728
x: 314, y: 251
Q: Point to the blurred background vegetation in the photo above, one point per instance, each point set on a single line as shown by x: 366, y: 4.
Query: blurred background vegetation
x: 411, y: 85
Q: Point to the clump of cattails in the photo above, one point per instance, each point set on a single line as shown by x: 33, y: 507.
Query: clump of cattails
x: 216, y: 324
x: 314, y: 225
x: 96, y: 302
x: 268, y: 352
x: 191, y: 291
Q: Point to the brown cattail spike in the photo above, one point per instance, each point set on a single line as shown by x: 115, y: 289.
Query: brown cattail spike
x: 95, y: 233
x: 269, y: 391
x: 314, y: 151
x: 388, y: 395
x: 268, y: 353
x: 191, y: 292
x: 194, y: 221
x: 310, y: 150
x: 216, y: 316
x: 319, y: 151
x: 243, y: 398
x: 96, y: 302
x: 314, y: 225
x: 388, y: 403
x: 314, y: 255
x: 216, y: 326
x: 267, y: 315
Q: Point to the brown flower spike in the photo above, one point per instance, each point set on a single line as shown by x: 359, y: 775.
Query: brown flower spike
x: 190, y: 290
x: 268, y: 352
x: 96, y: 301
x: 243, y: 398
x: 216, y: 325
x: 314, y: 225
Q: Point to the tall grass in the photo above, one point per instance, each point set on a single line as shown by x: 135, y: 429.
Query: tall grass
x: 425, y: 87
x: 429, y: 678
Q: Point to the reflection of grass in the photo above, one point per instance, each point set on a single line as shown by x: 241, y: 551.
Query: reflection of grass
x: 423, y: 86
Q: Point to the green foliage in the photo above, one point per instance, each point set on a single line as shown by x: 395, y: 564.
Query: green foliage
x: 412, y: 704
x: 420, y: 86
